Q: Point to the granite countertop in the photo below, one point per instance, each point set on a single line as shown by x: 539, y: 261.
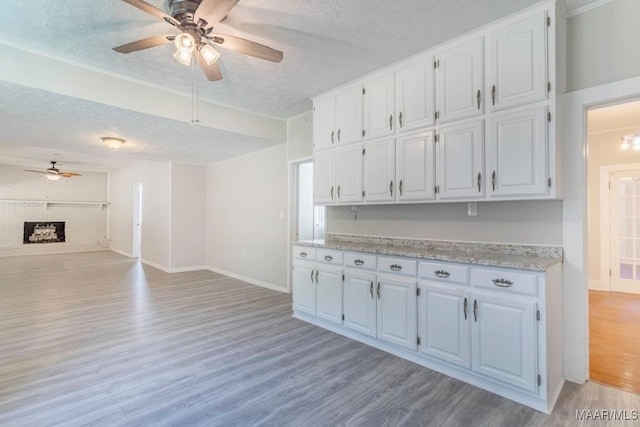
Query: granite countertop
x: 522, y: 257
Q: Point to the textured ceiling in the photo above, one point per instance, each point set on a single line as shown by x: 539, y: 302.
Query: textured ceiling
x: 325, y: 43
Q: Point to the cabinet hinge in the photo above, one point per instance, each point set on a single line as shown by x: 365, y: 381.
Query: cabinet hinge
x: 609, y: 272
x: 549, y: 116
x: 364, y: 193
x: 435, y: 64
x: 418, y: 341
x: 437, y: 115
x: 539, y: 380
x: 417, y: 291
x: 364, y: 91
x: 343, y: 317
x: 537, y: 314
x: 437, y: 137
x: 364, y: 132
x: 548, y: 21
x: 343, y: 277
x: 437, y: 189
x: 364, y: 150
x: 548, y: 86
x: 549, y: 182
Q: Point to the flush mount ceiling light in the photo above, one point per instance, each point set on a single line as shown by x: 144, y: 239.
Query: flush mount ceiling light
x: 631, y: 141
x: 112, y: 142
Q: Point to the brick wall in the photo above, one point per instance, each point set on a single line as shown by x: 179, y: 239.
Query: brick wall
x: 86, y: 225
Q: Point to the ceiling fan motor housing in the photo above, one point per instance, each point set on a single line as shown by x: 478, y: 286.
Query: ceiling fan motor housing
x: 183, y: 10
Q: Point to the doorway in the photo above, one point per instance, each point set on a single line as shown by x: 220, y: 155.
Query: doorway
x: 309, y: 220
x: 137, y: 220
x: 613, y: 199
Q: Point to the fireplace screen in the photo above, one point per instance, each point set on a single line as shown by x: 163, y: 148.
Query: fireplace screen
x: 43, y: 232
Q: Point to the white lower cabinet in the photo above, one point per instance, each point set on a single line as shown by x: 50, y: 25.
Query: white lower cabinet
x: 304, y: 287
x: 329, y: 293
x: 397, y: 321
x: 360, y: 301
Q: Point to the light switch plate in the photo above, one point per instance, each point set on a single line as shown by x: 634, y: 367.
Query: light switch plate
x: 472, y: 209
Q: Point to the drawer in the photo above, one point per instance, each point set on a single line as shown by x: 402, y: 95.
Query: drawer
x: 505, y: 281
x: 356, y: 260
x: 405, y: 267
x: 444, y: 272
x: 304, y: 252
x: 330, y: 256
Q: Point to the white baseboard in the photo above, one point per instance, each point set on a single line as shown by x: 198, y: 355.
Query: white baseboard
x: 121, y: 253
x: 597, y: 285
x: 172, y: 270
x: 57, y: 253
x: 247, y: 279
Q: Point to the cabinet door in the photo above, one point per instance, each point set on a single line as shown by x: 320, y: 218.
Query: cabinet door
x: 349, y: 174
x: 379, y: 107
x: 324, y: 123
x: 304, y: 288
x: 329, y: 293
x: 517, y: 63
x: 397, y: 320
x: 349, y: 115
x: 443, y: 323
x: 517, y: 153
x: 360, y: 302
x: 416, y: 167
x: 460, y: 161
x: 503, y: 342
x: 380, y: 171
x: 459, y: 82
x: 324, y: 177
x: 416, y: 96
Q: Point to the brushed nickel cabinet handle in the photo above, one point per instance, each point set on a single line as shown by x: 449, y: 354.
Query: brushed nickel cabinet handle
x: 493, y: 96
x: 328, y: 258
x: 391, y: 188
x: 493, y: 180
x: 303, y: 254
x: 502, y: 283
x: 400, y: 119
x: 475, y: 310
x: 395, y: 267
x: 378, y: 291
x: 465, y: 308
x: 478, y: 98
x: 358, y: 262
x: 442, y: 274
x: 332, y: 192
x: 338, y: 135
x: 371, y: 289
x: 400, y: 187
x: 311, y: 276
x: 338, y: 191
x: 332, y: 133
x: 316, y: 277
x: 479, y: 182
x: 391, y: 122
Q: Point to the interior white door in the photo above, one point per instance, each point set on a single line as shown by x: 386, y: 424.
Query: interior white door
x: 517, y: 153
x: 329, y: 293
x: 304, y: 288
x: 416, y: 166
x: 460, y: 159
x: 349, y: 174
x: 349, y: 115
x: 324, y: 122
x: 379, y: 107
x: 397, y: 319
x: 324, y: 177
x: 360, y: 302
x: 624, y: 231
x: 416, y: 98
x: 380, y: 170
x: 459, y: 82
x: 517, y: 63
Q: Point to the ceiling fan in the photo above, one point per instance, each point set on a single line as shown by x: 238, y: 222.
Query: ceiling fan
x: 195, y: 19
x: 54, y: 174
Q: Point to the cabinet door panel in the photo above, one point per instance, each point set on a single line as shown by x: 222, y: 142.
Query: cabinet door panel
x: 416, y: 107
x: 324, y: 123
x: 443, y: 323
x: 397, y: 322
x: 517, y: 153
x: 329, y: 293
x: 379, y: 107
x: 324, y: 177
x: 460, y: 155
x: 304, y: 288
x: 517, y: 63
x: 349, y: 115
x: 360, y: 302
x: 380, y: 171
x: 504, y: 340
x: 349, y: 174
x: 416, y: 167
x: 459, y: 82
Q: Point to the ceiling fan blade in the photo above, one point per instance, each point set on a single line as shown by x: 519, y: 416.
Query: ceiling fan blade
x: 152, y: 10
x: 68, y: 174
x: 26, y: 170
x: 144, y: 44
x: 213, y: 11
x: 247, y: 47
x: 212, y: 71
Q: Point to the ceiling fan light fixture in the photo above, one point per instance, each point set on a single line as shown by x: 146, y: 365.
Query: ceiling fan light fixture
x: 53, y: 177
x: 112, y: 142
x: 185, y: 42
x: 209, y: 54
x: 183, y: 57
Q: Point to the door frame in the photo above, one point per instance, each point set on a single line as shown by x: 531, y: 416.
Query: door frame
x: 292, y: 197
x: 573, y: 107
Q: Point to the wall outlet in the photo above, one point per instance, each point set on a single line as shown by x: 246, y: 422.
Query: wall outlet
x: 354, y: 213
x: 472, y: 209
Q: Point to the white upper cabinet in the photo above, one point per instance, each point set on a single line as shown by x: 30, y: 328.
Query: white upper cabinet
x: 416, y: 167
x: 349, y: 115
x: 459, y: 82
x: 517, y: 153
x: 460, y: 161
x: 517, y: 63
x: 349, y: 174
x: 380, y: 170
x: 324, y: 123
x: 379, y: 107
x: 324, y: 173
x: 416, y: 96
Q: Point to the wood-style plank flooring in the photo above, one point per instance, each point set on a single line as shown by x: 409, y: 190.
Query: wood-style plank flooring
x: 614, y: 339
x: 97, y: 339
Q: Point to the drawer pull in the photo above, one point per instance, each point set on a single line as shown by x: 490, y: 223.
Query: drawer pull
x: 303, y: 254
x: 475, y: 310
x: 466, y: 303
x: 395, y: 267
x: 371, y: 289
x: 378, y: 291
x: 316, y: 277
x: 502, y: 283
x: 312, y: 277
x: 358, y: 262
x: 328, y: 258
x: 442, y: 274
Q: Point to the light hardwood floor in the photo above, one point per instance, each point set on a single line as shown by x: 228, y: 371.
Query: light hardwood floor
x: 97, y: 339
x: 614, y: 339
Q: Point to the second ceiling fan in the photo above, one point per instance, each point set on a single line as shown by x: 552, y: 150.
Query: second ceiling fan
x: 195, y: 19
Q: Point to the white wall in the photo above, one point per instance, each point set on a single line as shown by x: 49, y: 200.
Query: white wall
x: 603, y: 45
x: 299, y: 136
x: 85, y: 225
x: 247, y: 216
x: 156, y: 210
x: 188, y: 215
x: 305, y: 202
